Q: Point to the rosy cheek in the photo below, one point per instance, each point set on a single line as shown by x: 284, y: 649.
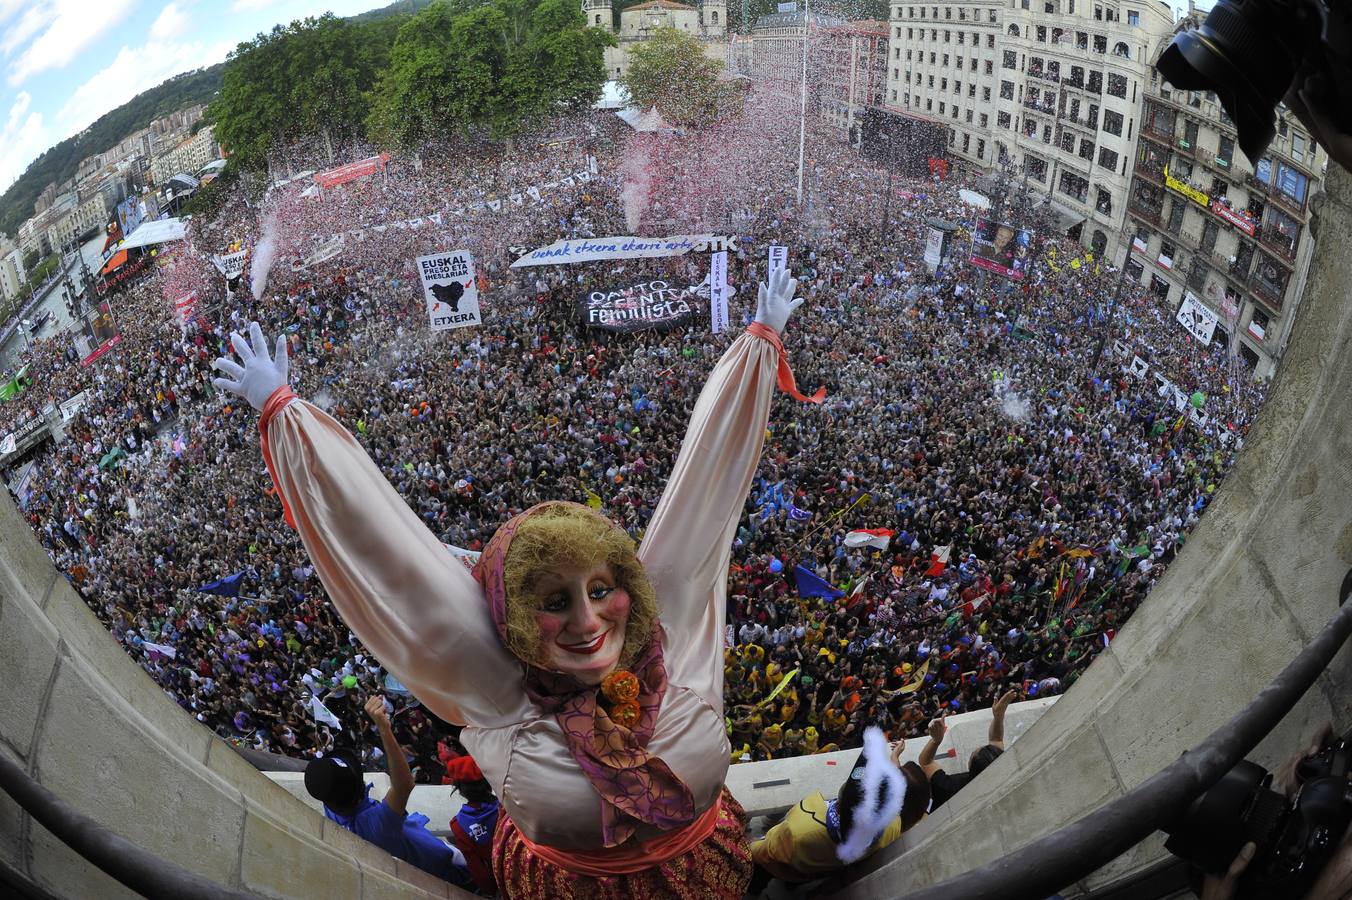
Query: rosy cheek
x: 550, y: 626
x: 616, y: 606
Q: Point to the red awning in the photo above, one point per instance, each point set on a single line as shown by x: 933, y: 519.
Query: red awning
x: 117, y: 260
x: 352, y: 171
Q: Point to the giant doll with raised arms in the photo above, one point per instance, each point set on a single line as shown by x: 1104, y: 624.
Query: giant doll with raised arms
x: 589, y: 675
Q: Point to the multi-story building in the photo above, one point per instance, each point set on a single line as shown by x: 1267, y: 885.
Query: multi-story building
x: 852, y: 73
x: 708, y: 21
x: 187, y: 156
x: 846, y: 63
x: 1047, y: 89
x: 11, y: 269
x: 1210, y: 225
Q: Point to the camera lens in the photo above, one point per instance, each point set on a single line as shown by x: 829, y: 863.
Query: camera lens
x: 1245, y: 54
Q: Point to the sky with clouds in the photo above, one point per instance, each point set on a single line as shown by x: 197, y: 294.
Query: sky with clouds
x: 64, y: 63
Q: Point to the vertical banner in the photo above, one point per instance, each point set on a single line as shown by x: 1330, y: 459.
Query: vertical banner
x: 718, y: 291
x: 934, y: 249
x: 779, y: 259
x: 450, y: 290
x: 184, y: 310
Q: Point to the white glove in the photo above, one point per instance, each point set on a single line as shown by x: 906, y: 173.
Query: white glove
x: 259, y: 376
x: 775, y: 304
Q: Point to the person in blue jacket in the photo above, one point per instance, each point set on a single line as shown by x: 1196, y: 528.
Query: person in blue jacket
x: 336, y: 781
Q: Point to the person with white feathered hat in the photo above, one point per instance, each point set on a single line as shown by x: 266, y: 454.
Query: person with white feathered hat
x: 879, y: 801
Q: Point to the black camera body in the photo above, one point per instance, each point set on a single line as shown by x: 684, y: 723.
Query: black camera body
x: 1252, y: 52
x: 1296, y: 836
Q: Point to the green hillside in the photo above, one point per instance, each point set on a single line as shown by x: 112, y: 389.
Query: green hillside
x: 60, y: 161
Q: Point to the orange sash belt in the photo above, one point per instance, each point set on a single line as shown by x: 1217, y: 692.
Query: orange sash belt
x: 784, y: 377
x: 276, y: 402
x: 631, y: 856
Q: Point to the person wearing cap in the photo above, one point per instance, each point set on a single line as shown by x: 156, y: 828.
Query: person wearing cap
x: 336, y: 781
x: 879, y: 801
x: 586, y: 671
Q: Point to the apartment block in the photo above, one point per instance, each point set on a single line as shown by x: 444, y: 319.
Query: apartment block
x: 1045, y: 91
x: 1209, y: 224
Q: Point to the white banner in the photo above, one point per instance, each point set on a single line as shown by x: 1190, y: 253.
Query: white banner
x: 1163, y: 386
x: 1139, y: 367
x: 1198, y: 318
x: 1180, y: 398
x: 577, y: 250
x: 1120, y: 349
x: 450, y: 290
x: 779, y: 259
x: 718, y: 291
x: 71, y: 408
x: 231, y: 265
x: 934, y: 248
x: 7, y: 445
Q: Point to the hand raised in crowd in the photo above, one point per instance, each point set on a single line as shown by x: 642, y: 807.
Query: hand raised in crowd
x: 938, y: 728
x: 375, y: 708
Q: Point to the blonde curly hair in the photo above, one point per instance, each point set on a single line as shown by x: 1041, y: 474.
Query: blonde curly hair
x: 573, y: 536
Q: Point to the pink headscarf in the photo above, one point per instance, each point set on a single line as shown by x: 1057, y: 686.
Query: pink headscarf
x: 633, y: 784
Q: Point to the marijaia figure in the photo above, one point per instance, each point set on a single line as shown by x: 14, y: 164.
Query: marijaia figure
x: 588, y: 673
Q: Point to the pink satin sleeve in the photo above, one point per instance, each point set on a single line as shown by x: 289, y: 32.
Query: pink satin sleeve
x: 688, y: 544
x: 412, y: 603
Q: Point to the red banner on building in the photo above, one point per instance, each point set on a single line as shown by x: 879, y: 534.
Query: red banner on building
x: 352, y: 171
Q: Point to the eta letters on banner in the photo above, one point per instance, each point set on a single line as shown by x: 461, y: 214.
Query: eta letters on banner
x: 1198, y: 318
x: 450, y: 290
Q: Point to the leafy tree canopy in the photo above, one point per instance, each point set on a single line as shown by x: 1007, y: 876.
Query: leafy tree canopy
x: 490, y: 64
x: 671, y: 72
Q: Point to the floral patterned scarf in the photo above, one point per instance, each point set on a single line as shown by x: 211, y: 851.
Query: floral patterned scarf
x: 634, y: 785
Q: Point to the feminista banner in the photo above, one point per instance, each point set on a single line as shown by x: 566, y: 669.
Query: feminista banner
x: 655, y: 305
x: 578, y: 250
x: 450, y: 290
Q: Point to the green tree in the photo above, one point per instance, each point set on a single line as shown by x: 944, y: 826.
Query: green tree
x: 308, y: 78
x: 671, y: 72
x: 495, y: 65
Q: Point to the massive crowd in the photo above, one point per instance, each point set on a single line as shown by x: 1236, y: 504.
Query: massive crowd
x: 1034, y: 502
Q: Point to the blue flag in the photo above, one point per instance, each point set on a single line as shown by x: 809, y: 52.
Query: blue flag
x: 811, y: 585
x: 225, y: 587
x: 798, y: 515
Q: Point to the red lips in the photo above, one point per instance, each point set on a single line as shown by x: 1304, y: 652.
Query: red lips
x: 588, y: 648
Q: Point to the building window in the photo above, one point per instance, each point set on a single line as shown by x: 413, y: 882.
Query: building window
x: 910, y: 34
x: 1014, y: 29
x: 981, y: 148
x: 931, y: 81
x: 1117, y: 85
x: 715, y: 15
x: 1076, y: 76
x: 986, y: 94
x: 941, y: 108
x: 990, y: 67
x: 1006, y: 90
x: 1107, y: 159
x: 1133, y: 17
x: 969, y: 117
x: 1100, y: 43
x: 1112, y: 122
x: 1002, y: 119
x: 1011, y: 60
x: 1042, y: 34
x: 966, y: 142
x: 1226, y: 151
x: 1095, y: 83
x: 948, y: 36
x: 945, y: 60
x: 1297, y: 146
x: 1035, y: 166
x: 1104, y: 202
x: 943, y: 84
x: 985, y: 120
x: 1067, y: 141
x: 1281, y: 231
x: 1074, y: 186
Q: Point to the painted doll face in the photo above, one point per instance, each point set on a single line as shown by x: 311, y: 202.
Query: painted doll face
x: 582, y: 618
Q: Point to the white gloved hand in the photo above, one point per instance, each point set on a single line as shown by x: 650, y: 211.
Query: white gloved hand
x: 774, y: 304
x: 259, y: 376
